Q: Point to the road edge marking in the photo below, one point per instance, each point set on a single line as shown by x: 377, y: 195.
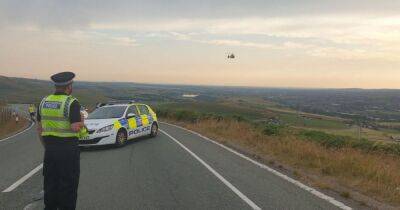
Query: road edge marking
x: 23, y: 179
x: 283, y: 176
x: 23, y: 131
x: 219, y: 176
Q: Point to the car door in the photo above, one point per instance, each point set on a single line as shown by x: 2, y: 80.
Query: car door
x: 134, y: 122
x: 145, y: 117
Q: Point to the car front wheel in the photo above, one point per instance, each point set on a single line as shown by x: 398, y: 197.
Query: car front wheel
x: 121, y: 138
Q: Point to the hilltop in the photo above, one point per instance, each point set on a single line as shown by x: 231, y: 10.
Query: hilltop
x: 381, y: 105
x: 22, y: 90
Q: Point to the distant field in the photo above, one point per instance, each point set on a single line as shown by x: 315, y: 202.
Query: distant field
x: 258, y: 111
x: 390, y: 125
x: 300, y: 121
x: 352, y: 131
x: 216, y: 108
x: 255, y: 102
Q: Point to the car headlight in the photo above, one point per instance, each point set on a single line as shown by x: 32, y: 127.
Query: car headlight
x: 105, y: 129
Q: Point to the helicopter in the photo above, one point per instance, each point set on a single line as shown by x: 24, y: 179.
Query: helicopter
x: 231, y: 56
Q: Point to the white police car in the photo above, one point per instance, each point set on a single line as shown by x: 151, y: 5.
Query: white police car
x: 115, y: 123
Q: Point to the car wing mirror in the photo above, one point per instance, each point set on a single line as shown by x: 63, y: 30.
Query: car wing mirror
x: 130, y: 115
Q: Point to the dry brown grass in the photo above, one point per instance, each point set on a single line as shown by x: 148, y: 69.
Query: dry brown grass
x: 10, y: 127
x: 375, y: 175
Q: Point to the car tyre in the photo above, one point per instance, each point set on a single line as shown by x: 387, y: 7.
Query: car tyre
x: 121, y: 138
x: 154, y: 130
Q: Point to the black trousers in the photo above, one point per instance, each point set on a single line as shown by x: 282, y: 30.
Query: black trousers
x: 32, y: 116
x: 61, y: 169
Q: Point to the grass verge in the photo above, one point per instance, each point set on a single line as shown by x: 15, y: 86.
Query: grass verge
x: 10, y: 127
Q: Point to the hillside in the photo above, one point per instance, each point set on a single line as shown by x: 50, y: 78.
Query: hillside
x: 21, y: 90
x: 371, y: 108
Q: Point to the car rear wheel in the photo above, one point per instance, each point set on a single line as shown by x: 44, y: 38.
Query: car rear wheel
x: 121, y: 138
x: 154, y: 130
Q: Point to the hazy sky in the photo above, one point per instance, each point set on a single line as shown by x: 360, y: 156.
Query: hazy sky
x: 278, y: 43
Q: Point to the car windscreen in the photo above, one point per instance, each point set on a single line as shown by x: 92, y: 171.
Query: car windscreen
x: 107, y: 112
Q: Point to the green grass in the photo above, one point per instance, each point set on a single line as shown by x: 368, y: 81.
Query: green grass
x: 339, y: 141
x: 212, y: 108
x: 294, y: 120
x: 376, y: 135
x: 288, y: 116
x: 323, y: 138
x: 258, y: 113
x: 249, y: 112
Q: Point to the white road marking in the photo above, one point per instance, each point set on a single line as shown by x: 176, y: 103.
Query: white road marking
x: 23, y: 179
x: 32, y: 123
x: 283, y: 176
x: 221, y: 178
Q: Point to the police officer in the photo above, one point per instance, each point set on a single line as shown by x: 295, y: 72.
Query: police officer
x: 32, y: 112
x: 60, y: 126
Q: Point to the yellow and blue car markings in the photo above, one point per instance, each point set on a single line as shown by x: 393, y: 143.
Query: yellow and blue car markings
x: 136, y: 122
x: 150, y: 119
x: 120, y: 123
x: 132, y: 122
x: 117, y: 125
x: 145, y: 120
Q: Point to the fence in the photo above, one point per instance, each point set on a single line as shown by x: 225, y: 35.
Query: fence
x: 5, y: 114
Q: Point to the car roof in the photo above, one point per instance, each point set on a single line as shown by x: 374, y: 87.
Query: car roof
x: 127, y: 104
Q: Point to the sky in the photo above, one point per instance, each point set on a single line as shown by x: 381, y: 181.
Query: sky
x: 277, y: 43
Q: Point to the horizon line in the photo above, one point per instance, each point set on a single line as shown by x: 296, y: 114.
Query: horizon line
x: 217, y: 86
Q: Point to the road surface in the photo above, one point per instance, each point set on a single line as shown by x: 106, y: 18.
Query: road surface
x: 175, y: 170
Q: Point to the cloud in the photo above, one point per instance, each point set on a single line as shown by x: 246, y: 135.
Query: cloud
x: 238, y: 43
x: 124, y: 41
x: 343, y: 37
x: 75, y: 14
x: 338, y: 29
x: 83, y: 37
x: 180, y: 36
x: 66, y: 15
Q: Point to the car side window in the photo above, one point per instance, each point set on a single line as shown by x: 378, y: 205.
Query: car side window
x: 132, y: 109
x: 143, y: 110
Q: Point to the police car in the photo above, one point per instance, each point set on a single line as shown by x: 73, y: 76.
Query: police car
x: 116, y: 123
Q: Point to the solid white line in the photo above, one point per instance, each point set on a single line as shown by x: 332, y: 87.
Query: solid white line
x: 32, y: 123
x: 221, y: 178
x: 283, y: 176
x: 23, y: 179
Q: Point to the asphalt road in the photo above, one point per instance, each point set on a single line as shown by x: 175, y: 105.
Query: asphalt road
x: 175, y: 170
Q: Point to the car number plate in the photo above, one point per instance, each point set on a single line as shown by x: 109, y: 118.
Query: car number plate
x: 84, y: 138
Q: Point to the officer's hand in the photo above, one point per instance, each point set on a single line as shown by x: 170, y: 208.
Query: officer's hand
x: 76, y: 127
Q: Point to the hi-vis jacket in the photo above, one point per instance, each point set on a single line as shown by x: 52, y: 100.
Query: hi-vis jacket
x: 54, y: 111
x: 31, y: 108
